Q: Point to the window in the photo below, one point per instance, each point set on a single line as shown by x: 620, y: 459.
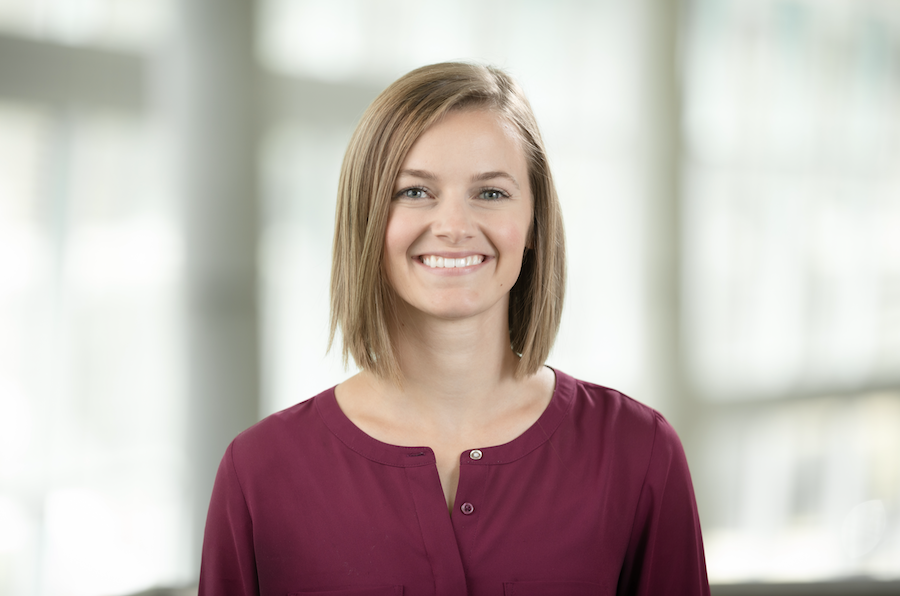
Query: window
x: 92, y: 389
x: 792, y: 265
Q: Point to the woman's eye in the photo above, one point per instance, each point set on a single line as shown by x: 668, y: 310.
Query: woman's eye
x: 491, y: 194
x: 413, y: 193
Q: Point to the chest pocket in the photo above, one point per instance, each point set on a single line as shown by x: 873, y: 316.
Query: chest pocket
x: 358, y: 591
x: 554, y: 588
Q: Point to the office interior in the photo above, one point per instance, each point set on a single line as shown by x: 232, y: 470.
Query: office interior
x: 729, y: 172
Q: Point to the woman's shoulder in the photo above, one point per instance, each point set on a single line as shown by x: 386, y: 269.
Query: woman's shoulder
x: 290, y: 427
x: 612, y: 429
x: 613, y: 411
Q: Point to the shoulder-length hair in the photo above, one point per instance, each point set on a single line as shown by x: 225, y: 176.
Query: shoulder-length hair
x: 362, y: 301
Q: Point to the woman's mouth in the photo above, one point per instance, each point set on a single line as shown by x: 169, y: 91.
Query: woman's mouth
x: 436, y: 262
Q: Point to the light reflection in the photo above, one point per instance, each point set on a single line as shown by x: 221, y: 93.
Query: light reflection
x: 811, y: 491
x: 863, y: 528
x: 129, y: 24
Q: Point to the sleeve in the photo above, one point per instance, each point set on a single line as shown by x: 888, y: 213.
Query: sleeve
x: 665, y: 550
x: 228, y: 563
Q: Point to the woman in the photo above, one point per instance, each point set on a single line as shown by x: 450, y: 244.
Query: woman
x: 455, y: 462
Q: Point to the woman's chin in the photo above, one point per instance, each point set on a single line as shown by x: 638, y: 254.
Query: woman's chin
x: 461, y: 311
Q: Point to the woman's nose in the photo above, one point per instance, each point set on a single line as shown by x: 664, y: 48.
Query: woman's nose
x: 453, y: 220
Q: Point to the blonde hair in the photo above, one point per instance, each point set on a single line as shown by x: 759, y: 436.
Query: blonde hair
x: 361, y: 297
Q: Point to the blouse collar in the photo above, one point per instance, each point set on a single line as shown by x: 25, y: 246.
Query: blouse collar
x: 393, y: 455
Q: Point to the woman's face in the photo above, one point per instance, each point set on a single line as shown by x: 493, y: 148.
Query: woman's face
x: 460, y: 218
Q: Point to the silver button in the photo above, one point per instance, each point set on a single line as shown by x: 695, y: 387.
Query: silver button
x: 475, y: 454
x: 467, y: 508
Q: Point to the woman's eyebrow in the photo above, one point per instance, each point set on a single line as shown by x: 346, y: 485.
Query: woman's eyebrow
x: 424, y: 174
x: 491, y: 175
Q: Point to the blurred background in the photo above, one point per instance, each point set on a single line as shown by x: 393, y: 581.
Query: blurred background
x: 730, y: 178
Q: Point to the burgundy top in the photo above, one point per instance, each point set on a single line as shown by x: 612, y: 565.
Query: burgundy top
x: 594, y: 498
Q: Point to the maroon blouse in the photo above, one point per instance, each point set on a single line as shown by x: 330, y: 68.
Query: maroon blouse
x: 594, y: 498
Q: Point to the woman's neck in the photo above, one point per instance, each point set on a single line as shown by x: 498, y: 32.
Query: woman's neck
x: 454, y: 361
x: 457, y: 376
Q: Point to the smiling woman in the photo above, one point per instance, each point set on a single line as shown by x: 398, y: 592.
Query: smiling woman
x: 455, y: 462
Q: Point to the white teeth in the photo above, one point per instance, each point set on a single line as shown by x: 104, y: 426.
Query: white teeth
x: 436, y: 262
